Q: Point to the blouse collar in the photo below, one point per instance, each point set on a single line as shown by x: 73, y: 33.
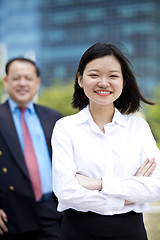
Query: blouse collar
x: 84, y: 115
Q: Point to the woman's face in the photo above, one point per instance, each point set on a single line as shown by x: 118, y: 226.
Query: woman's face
x: 102, y: 80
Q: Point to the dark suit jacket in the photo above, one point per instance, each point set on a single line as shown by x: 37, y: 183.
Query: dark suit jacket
x: 16, y: 194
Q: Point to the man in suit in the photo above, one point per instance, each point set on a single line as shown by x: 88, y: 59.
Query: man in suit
x: 23, y: 215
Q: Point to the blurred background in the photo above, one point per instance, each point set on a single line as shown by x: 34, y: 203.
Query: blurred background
x: 55, y: 33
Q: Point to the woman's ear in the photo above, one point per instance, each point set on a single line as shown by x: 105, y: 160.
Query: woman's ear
x: 80, y: 80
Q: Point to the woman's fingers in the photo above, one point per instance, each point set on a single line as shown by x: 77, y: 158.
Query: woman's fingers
x: 147, y: 168
x: 150, y: 170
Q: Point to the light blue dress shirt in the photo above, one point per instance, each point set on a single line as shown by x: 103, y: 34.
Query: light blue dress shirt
x: 38, y: 140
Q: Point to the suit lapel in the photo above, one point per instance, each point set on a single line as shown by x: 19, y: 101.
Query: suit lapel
x: 8, y: 130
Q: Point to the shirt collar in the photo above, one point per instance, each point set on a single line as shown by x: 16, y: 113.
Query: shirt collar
x: 13, y: 106
x: 84, y: 115
x: 119, y: 118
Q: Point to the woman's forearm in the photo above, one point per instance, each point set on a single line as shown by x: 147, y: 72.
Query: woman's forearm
x: 146, y: 170
x: 92, y: 184
x: 89, y: 183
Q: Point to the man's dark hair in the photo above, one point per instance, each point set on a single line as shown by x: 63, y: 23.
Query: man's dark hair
x: 131, y: 96
x: 22, y: 59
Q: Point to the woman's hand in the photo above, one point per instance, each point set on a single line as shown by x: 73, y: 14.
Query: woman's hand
x: 147, y: 168
x: 3, y: 220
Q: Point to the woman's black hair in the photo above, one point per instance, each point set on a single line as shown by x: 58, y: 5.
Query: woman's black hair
x: 131, y: 96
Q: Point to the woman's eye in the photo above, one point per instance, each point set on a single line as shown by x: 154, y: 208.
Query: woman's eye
x: 113, y: 76
x: 93, y: 75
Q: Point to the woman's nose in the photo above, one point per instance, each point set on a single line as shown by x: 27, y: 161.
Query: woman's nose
x: 103, y: 83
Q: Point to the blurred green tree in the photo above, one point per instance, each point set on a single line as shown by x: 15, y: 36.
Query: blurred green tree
x: 2, y: 91
x: 153, y: 116
x: 58, y: 97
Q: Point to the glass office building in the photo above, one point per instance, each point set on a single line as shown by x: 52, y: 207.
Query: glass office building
x: 57, y: 33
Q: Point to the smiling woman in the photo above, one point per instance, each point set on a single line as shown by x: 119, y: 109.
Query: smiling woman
x: 106, y: 165
x: 102, y: 81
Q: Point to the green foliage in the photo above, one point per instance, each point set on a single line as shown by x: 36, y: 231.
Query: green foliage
x: 153, y: 116
x: 1, y: 90
x: 58, y: 97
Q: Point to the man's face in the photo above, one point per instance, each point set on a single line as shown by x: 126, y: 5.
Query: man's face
x: 22, y: 82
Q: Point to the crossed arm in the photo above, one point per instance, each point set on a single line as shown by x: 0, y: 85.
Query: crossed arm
x: 146, y: 170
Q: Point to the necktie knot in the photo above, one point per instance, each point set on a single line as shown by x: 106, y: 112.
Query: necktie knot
x: 23, y: 109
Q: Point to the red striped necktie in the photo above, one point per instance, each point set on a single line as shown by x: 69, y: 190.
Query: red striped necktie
x: 30, y: 158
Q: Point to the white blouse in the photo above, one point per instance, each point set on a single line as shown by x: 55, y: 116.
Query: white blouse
x: 79, y: 146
